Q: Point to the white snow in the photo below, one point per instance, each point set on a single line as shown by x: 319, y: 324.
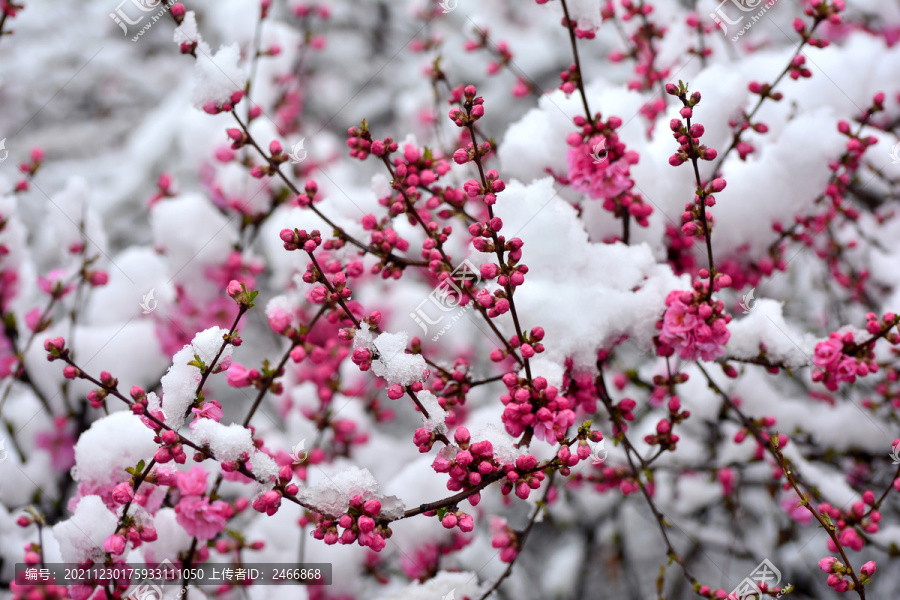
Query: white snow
x: 227, y: 442
x: 112, y: 444
x: 179, y: 384
x: 393, y: 363
x: 218, y: 76
x: 443, y: 585
x: 436, y: 414
x: 585, y: 295
x: 765, y: 324
x: 81, y: 536
x: 332, y: 496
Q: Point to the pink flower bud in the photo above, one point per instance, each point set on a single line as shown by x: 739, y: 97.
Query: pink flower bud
x: 868, y: 569
x: 114, y: 544
x: 372, y: 507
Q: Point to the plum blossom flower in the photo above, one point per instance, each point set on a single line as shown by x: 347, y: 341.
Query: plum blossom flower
x: 59, y: 443
x: 839, y: 359
x: 200, y: 518
x: 694, y: 328
x: 210, y: 410
x: 54, y: 278
x: 193, y: 482
x: 598, y: 180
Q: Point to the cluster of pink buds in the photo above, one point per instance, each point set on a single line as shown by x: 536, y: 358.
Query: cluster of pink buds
x: 361, y: 144
x: 312, y: 9
x: 838, y: 574
x: 380, y: 147
x: 765, y: 425
x: 311, y: 188
x: 623, y: 411
x: 599, y: 165
x: 664, y: 436
x: 170, y: 448
x: 10, y: 9
x: 276, y: 155
x: 694, y: 325
x: 845, y: 523
x: 456, y: 518
x: 582, y: 450
x: 136, y: 534
x: 36, y: 158
x: 488, y: 194
x: 469, y: 466
x: 472, y: 109
x: 535, y: 405
x: 140, y: 407
x: 322, y: 294
x: 508, y: 275
x: 579, y: 387
x: 270, y: 501
x: 570, y: 78
x: 415, y: 168
x: 819, y: 10
x: 56, y: 348
x: 739, y: 125
x: 840, y: 358
x: 214, y: 108
x: 522, y: 477
x: 97, y: 396
x: 359, y: 524
x: 463, y: 155
x: 644, y: 52
x: 299, y: 238
x: 385, y: 240
x: 694, y: 214
x: 856, y: 146
x: 686, y: 134
x: 504, y: 539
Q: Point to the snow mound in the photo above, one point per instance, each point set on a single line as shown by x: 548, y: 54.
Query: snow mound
x: 112, y: 444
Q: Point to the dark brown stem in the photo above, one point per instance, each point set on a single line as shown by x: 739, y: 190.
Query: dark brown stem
x: 522, y: 537
x: 587, y: 111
